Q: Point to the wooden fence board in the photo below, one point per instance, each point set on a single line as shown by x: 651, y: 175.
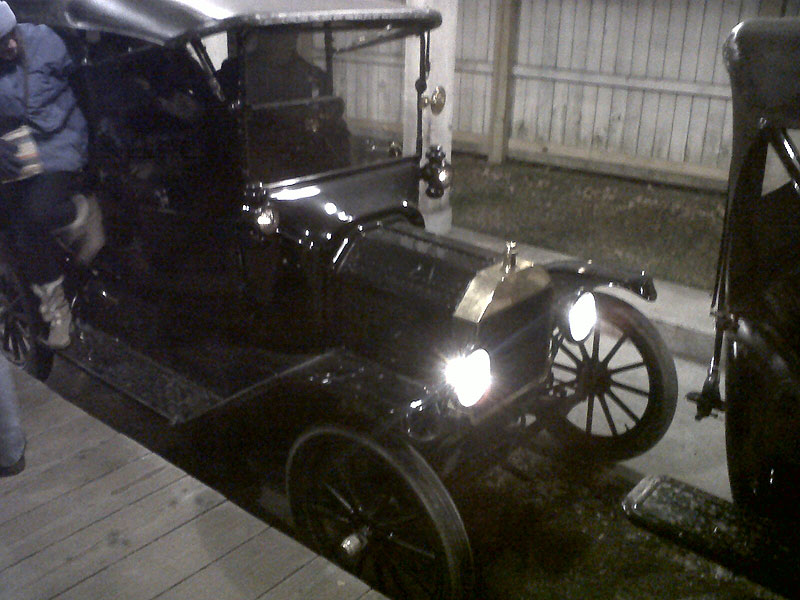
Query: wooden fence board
x: 532, y: 109
x: 619, y: 101
x: 566, y: 33
x: 534, y: 53
x: 588, y: 109
x: 610, y: 35
x: 604, y: 31
x: 545, y: 111
x: 572, y: 116
x: 632, y: 121
x: 551, y: 30
x: 658, y: 39
x: 596, y: 39
x: 578, y: 38
x: 602, y: 118
x: 713, y: 138
x: 558, y: 120
x: 680, y: 128
x: 724, y: 156
x: 642, y: 36
x: 709, y: 41
x: 647, y: 127
x: 731, y: 10
x: 675, y: 38
x: 692, y: 36
x: 697, y: 127
x: 664, y: 126
x: 625, y: 41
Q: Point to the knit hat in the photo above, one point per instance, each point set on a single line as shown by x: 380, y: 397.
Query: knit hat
x: 7, y: 19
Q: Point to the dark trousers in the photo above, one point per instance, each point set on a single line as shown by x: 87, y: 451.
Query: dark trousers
x: 35, y: 207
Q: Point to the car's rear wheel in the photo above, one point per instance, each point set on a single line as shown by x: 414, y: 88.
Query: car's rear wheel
x: 381, y: 512
x: 612, y: 396
x: 762, y: 420
x: 19, y: 324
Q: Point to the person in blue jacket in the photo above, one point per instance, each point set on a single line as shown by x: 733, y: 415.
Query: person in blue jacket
x: 40, y: 201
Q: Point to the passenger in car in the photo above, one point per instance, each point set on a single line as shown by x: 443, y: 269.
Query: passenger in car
x: 275, y: 70
x: 43, y: 149
x: 148, y: 134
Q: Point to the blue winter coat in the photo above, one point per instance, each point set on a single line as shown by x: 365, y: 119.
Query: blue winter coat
x: 52, y: 112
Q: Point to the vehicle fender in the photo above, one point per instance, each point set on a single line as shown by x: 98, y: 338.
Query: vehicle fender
x: 779, y: 363
x: 363, y: 391
x: 575, y: 273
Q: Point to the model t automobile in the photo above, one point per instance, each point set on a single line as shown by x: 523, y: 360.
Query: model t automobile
x: 262, y: 228
x: 757, y: 318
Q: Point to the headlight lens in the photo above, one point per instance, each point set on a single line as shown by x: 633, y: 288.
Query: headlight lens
x: 470, y: 376
x: 582, y: 317
x: 266, y: 218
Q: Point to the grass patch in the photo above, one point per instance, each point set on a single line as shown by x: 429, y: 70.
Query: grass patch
x: 671, y: 232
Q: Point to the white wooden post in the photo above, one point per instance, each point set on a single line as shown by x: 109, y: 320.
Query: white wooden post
x: 437, y: 129
x: 505, y: 39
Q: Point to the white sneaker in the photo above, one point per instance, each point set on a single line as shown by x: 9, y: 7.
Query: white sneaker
x: 55, y: 312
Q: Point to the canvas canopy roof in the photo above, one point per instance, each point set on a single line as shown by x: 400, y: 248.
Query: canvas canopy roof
x: 169, y: 21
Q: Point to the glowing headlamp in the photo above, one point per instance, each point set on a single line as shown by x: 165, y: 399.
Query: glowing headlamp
x: 470, y: 376
x: 582, y: 317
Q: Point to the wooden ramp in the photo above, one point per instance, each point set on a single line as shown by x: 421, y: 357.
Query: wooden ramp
x: 96, y: 515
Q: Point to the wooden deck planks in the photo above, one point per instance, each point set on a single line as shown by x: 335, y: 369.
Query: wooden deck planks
x: 39, y: 486
x: 319, y: 580
x: 243, y: 573
x: 96, y: 515
x: 50, y: 523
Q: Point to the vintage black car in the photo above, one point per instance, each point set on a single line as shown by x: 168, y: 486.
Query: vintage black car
x: 757, y: 318
x: 262, y: 229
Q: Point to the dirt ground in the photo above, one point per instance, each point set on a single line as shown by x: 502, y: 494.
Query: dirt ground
x: 671, y: 232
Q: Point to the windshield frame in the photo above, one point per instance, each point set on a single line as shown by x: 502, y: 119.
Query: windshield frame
x: 241, y: 104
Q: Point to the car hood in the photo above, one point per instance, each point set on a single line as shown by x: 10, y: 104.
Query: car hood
x: 173, y: 21
x: 319, y: 212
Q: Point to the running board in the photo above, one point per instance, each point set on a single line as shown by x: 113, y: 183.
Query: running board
x: 131, y: 373
x: 716, y: 529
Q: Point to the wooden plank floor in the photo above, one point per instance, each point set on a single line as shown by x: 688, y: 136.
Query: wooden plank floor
x: 96, y: 515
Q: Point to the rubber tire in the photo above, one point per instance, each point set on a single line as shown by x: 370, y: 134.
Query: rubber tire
x: 762, y: 420
x: 312, y: 459
x: 19, y: 314
x: 661, y: 403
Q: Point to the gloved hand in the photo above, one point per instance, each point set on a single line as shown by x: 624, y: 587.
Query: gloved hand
x: 10, y: 165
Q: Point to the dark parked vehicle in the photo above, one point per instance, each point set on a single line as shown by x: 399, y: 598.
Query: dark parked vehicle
x: 757, y: 324
x: 263, y: 229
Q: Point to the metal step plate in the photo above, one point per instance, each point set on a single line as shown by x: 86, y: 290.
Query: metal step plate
x: 166, y: 392
x: 756, y: 548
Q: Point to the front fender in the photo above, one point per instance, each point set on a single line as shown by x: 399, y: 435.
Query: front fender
x: 779, y: 364
x: 586, y: 273
x: 365, y: 393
